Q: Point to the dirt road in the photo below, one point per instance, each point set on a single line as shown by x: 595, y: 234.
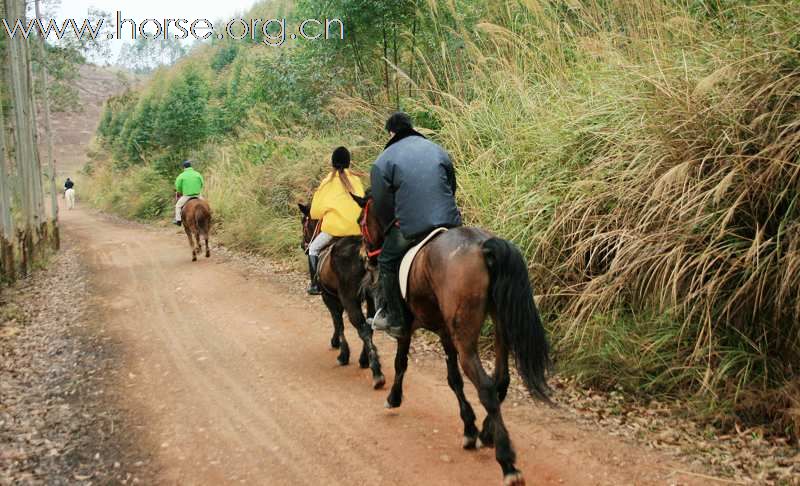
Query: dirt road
x: 229, y: 378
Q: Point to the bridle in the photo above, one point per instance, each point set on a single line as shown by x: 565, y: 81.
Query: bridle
x: 365, y: 232
x: 314, y: 234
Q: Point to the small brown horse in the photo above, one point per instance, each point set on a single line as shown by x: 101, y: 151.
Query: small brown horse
x: 340, y: 276
x: 456, y: 280
x: 196, y: 217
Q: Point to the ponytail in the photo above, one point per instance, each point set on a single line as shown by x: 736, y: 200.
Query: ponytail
x: 345, y: 181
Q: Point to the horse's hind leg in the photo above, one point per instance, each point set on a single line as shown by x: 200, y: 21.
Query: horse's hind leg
x: 395, y: 397
x: 457, y: 385
x: 336, y: 310
x: 198, y: 246
x: 488, y: 393
x: 208, y: 250
x: 356, y: 317
x: 191, y: 243
x: 369, y: 353
x: 502, y: 379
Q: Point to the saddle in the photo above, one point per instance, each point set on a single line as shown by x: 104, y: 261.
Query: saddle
x: 408, y: 259
x: 324, y: 254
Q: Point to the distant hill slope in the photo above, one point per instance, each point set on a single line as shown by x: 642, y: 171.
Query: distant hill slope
x: 73, y: 130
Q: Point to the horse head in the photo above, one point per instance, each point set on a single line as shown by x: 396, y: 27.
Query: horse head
x: 309, y: 225
x: 371, y: 229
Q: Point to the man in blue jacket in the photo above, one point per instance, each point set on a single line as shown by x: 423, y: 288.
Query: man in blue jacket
x: 413, y: 187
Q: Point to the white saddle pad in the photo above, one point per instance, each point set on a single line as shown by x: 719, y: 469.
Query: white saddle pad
x: 408, y: 259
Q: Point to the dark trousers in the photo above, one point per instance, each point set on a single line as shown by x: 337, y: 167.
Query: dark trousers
x: 395, y: 246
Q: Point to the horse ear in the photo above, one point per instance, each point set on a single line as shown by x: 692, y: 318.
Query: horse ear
x: 303, y: 208
x: 361, y: 201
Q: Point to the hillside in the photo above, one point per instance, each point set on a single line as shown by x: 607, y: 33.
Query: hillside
x: 74, y: 130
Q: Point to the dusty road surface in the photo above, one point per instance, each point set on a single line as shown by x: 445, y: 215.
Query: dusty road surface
x: 228, y: 378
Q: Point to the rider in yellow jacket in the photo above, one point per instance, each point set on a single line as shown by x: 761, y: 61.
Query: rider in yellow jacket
x: 333, y: 206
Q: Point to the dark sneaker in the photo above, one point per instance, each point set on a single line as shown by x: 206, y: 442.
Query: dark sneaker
x: 313, y: 290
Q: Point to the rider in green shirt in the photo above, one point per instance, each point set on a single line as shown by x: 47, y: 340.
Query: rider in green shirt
x: 189, y: 184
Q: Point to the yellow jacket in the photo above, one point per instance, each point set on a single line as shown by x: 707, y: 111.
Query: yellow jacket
x: 334, y: 206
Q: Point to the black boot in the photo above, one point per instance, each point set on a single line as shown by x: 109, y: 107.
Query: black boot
x: 313, y: 288
x: 392, y: 316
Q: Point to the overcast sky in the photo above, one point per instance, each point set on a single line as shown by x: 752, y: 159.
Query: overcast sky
x: 139, y: 10
x: 157, y: 9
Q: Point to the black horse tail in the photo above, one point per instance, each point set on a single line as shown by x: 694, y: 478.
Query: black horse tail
x: 511, y: 294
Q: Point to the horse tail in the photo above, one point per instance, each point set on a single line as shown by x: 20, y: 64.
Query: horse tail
x: 518, y: 320
x: 202, y: 218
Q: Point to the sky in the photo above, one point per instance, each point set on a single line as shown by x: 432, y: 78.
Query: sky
x: 144, y: 9
x: 139, y: 10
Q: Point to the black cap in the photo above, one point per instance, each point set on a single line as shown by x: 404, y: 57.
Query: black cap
x: 340, y: 158
x: 399, y: 122
x: 187, y: 163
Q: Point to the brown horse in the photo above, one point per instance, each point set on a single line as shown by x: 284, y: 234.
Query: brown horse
x: 340, y: 276
x: 196, y: 217
x: 457, y: 280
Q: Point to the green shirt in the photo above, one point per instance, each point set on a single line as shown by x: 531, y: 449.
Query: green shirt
x: 189, y: 182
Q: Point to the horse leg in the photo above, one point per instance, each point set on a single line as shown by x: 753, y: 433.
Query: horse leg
x: 501, y: 378
x: 198, y: 246
x: 336, y: 309
x: 488, y: 393
x: 191, y: 243
x: 356, y: 317
x: 457, y: 385
x: 370, y: 306
x: 369, y: 353
x: 335, y: 341
x: 208, y: 251
x: 395, y: 397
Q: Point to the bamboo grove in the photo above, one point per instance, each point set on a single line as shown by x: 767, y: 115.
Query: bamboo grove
x: 29, y: 226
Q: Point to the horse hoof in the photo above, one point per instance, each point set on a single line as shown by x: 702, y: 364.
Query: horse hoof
x: 208, y: 255
x: 334, y: 345
x: 194, y: 258
x: 470, y: 443
x: 377, y: 383
x: 514, y: 479
x: 393, y: 402
x: 342, y: 361
x: 487, y: 444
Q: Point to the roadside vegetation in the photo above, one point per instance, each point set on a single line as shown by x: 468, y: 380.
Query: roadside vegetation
x: 643, y: 154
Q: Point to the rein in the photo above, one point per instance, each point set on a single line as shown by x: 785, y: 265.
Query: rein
x: 316, y: 232
x: 365, y: 232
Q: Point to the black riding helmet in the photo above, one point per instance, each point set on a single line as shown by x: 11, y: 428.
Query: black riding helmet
x: 340, y: 158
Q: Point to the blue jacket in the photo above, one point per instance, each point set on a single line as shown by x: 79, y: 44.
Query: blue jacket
x: 414, y: 183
